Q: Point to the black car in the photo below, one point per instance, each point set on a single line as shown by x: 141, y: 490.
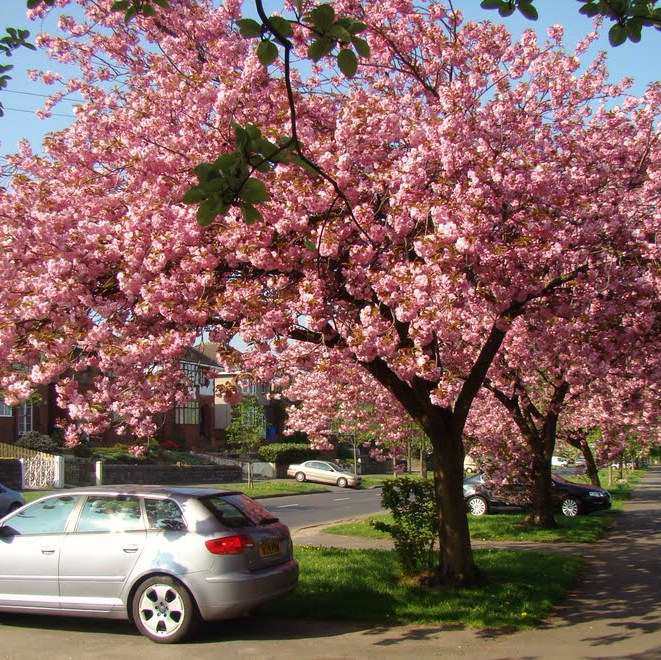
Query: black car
x: 568, y: 497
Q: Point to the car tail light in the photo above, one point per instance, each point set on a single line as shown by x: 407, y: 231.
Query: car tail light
x: 229, y: 545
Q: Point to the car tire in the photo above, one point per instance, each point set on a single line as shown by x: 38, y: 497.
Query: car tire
x: 300, y: 477
x: 477, y: 506
x: 13, y: 506
x: 164, y: 610
x: 342, y: 482
x: 570, y: 507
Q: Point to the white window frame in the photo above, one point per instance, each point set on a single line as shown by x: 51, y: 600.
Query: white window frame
x: 5, y: 410
x: 24, y: 418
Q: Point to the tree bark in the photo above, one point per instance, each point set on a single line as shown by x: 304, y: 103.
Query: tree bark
x: 456, y: 566
x: 541, y: 504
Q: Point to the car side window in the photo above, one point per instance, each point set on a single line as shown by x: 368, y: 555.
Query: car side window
x: 110, y: 514
x: 47, y: 517
x: 163, y: 514
x: 316, y: 465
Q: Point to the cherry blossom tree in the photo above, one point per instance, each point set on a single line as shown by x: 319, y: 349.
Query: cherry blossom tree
x: 547, y: 371
x: 405, y: 217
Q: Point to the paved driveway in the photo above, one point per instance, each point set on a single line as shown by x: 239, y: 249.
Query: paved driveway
x: 616, y: 613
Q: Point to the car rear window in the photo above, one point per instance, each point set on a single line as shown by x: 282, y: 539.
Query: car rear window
x: 237, y: 510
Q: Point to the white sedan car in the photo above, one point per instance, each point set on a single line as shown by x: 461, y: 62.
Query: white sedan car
x: 324, y: 472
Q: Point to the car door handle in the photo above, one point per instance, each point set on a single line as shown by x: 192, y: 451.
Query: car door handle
x: 47, y: 550
x: 130, y: 548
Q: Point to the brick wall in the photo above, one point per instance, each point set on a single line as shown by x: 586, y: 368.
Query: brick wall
x: 170, y: 474
x: 10, y: 473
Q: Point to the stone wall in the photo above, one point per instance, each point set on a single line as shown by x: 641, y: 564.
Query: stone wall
x: 170, y: 474
x: 10, y: 473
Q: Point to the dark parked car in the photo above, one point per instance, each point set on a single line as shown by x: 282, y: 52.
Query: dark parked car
x: 568, y: 497
x: 10, y: 500
x: 163, y: 557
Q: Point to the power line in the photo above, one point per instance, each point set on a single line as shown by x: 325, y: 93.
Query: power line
x: 31, y: 112
x: 44, y: 96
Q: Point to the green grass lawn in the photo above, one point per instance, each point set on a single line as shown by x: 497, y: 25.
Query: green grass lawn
x: 367, y: 586
x: 266, y: 488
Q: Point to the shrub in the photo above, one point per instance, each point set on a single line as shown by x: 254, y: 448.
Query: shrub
x: 38, y: 442
x: 286, y: 452
x: 415, y: 527
x: 169, y: 445
x: 82, y: 451
x: 118, y: 454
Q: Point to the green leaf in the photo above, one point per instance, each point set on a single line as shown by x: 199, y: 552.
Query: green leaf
x: 322, y: 18
x: 348, y: 62
x: 194, y: 195
x: 356, y: 26
x: 617, y: 35
x: 338, y: 32
x: 589, y: 9
x: 249, y: 28
x: 162, y: 3
x: 204, y: 170
x: 505, y: 9
x: 226, y: 161
x: 361, y: 46
x: 310, y: 245
x: 207, y: 213
x: 253, y: 132
x: 528, y: 10
x: 490, y: 4
x: 634, y: 29
x: 254, y: 191
x: 147, y: 10
x: 120, y: 5
x: 241, y: 137
x: 282, y: 25
x: 251, y: 214
x: 267, y: 52
x: 297, y: 160
x: 318, y: 48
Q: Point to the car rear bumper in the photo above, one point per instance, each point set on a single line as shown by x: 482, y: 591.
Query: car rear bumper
x: 228, y: 596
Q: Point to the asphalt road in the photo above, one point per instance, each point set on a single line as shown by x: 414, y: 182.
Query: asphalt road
x: 298, y: 511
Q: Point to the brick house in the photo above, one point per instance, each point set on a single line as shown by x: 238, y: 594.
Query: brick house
x: 274, y: 409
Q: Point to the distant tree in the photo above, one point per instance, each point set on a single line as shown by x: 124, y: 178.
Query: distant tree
x: 246, y: 430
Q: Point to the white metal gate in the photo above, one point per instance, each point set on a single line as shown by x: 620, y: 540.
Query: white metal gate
x: 39, y: 471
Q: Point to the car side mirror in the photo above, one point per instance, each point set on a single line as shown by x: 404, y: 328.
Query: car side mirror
x: 6, y: 532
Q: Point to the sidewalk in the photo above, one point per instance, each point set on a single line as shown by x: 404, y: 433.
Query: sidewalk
x: 615, y: 611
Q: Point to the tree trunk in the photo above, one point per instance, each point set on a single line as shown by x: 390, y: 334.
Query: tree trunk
x: 423, y: 460
x: 590, y: 464
x: 456, y: 566
x: 541, y: 506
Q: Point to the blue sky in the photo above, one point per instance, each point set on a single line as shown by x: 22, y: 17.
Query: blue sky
x: 23, y: 97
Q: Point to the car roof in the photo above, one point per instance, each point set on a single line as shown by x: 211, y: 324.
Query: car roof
x: 146, y: 490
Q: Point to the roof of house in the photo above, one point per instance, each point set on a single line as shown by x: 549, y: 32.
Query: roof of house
x: 209, y: 350
x: 195, y: 356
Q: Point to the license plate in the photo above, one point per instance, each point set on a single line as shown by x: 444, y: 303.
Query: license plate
x: 270, y: 549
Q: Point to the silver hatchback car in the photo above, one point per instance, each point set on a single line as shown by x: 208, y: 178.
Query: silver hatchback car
x: 163, y: 557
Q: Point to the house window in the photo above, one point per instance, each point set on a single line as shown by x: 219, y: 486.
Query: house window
x: 5, y: 410
x: 189, y: 413
x: 24, y: 417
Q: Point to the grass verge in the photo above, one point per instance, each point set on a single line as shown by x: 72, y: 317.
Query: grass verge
x: 367, y: 586
x: 267, y: 488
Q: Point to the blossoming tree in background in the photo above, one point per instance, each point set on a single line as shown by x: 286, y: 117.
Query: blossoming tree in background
x: 405, y: 217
